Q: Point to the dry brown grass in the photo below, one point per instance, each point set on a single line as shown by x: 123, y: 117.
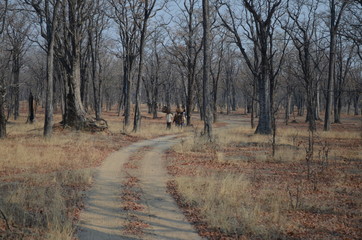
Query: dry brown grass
x: 42, y: 180
x: 241, y: 192
x: 42, y: 183
x: 227, y: 202
x: 42, y: 206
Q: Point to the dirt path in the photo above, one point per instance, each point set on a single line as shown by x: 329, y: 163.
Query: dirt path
x: 103, y: 218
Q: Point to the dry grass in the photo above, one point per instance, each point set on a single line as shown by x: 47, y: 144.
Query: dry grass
x: 42, y: 181
x: 227, y: 202
x: 242, y: 192
x: 40, y: 206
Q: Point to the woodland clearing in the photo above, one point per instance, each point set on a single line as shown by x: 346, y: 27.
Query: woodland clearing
x: 229, y: 189
x: 234, y: 188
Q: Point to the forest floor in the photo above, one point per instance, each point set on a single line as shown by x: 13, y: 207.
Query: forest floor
x: 231, y: 188
x: 234, y: 188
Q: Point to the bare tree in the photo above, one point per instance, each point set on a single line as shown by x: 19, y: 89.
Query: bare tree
x: 335, y: 18
x: 186, y: 48
x: 123, y: 14
x: 301, y: 30
x: 218, y: 50
x: 3, y: 13
x: 154, y: 69
x: 262, y: 13
x: 47, y: 12
x: 17, y: 33
x: 97, y: 25
x: 344, y: 59
x: 148, y: 7
x: 206, y: 69
x: 75, y: 15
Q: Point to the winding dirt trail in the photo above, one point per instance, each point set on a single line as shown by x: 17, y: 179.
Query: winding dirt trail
x: 104, y: 219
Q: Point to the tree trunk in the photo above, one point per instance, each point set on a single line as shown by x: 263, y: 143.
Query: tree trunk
x: 253, y: 106
x: 265, y: 118
x: 76, y: 115
x: 355, y: 104
x: 31, y: 114
x: 137, y: 113
x: 189, y: 103
x: 155, y: 100
x: 318, y: 103
x: 228, y: 95
x: 287, y: 108
x: 233, y: 99
x: 52, y: 23
x: 264, y: 125
x: 48, y: 123
x: 206, y: 70
x: 127, y: 88
x: 2, y: 113
x: 337, y: 107
x: 16, y: 88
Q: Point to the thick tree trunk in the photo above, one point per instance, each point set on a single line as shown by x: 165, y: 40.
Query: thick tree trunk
x: 76, y: 115
x: 264, y: 125
x: 265, y: 118
x: 48, y: 123
x: 206, y: 70
x: 52, y: 22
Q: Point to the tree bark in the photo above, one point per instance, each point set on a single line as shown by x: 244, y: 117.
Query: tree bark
x: 52, y: 22
x: 206, y: 70
x: 16, y: 88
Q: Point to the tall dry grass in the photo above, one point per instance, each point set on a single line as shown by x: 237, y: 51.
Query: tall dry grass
x: 228, y: 202
x: 41, y: 204
x: 42, y: 180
